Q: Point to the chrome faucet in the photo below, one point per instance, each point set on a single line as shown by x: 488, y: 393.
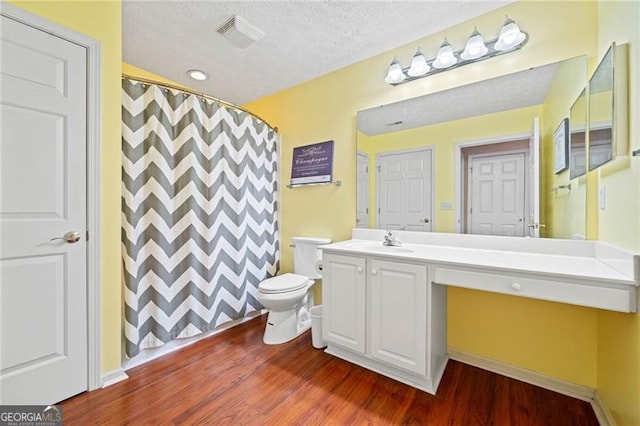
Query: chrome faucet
x: 391, y: 240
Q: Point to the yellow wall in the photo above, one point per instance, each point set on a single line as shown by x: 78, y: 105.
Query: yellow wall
x: 102, y: 21
x: 619, y: 334
x: 325, y: 108
x: 550, y: 338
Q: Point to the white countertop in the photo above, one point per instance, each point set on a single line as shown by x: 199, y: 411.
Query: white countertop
x: 579, y: 272
x: 575, y: 267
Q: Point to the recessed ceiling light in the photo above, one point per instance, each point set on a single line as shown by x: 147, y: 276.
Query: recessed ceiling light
x: 197, y: 75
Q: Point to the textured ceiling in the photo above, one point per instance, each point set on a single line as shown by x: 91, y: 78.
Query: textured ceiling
x: 304, y: 39
x: 517, y: 90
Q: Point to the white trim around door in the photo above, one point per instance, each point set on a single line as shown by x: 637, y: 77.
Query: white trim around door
x: 94, y: 65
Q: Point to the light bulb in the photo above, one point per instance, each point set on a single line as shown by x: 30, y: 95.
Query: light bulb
x: 445, y: 57
x: 419, y: 66
x: 395, y: 74
x: 197, y: 75
x: 475, y: 47
x: 510, y: 36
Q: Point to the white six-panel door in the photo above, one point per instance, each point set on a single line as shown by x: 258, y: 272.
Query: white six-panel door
x: 497, y: 195
x: 43, y: 287
x: 405, y: 190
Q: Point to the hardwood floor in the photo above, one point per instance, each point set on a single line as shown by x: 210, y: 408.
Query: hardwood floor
x: 233, y: 378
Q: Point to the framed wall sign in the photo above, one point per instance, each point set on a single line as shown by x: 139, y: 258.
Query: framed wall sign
x: 312, y: 164
x: 561, y: 143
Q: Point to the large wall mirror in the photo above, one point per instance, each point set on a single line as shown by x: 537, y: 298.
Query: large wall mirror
x: 578, y: 136
x: 601, y: 112
x: 608, y: 108
x: 461, y: 160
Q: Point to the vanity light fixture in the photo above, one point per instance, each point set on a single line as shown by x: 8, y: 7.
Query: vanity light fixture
x: 511, y: 38
x: 197, y: 75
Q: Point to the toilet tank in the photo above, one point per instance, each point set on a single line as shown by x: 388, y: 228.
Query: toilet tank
x: 306, y: 254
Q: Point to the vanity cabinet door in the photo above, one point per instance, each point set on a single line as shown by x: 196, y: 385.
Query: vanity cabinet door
x: 343, y: 294
x: 398, y: 314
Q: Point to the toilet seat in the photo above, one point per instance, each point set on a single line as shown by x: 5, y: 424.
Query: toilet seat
x: 284, y: 283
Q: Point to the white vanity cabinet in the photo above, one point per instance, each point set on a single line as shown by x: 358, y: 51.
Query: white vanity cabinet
x: 343, y: 299
x: 397, y: 294
x: 376, y: 313
x: 384, y: 307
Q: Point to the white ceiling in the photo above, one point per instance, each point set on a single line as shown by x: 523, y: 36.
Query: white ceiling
x: 304, y: 39
x: 513, y: 91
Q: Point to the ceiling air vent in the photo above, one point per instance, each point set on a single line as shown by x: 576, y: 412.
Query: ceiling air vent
x: 239, y: 32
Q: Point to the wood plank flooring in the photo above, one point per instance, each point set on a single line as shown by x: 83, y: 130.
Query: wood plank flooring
x: 234, y: 379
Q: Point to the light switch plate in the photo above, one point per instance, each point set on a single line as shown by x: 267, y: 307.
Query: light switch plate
x: 603, y: 197
x: 446, y: 205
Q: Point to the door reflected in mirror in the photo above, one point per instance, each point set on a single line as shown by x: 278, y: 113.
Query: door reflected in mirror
x: 461, y: 127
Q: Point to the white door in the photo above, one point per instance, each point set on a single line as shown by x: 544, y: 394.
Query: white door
x: 534, y: 179
x: 343, y: 294
x: 362, y: 191
x: 398, y: 314
x: 497, y: 195
x: 405, y: 190
x: 43, y: 294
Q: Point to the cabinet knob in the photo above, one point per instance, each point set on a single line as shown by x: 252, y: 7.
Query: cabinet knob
x: 374, y: 272
x: 516, y: 286
x: 359, y: 269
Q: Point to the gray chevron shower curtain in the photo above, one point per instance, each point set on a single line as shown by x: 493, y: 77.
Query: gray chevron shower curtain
x: 199, y: 200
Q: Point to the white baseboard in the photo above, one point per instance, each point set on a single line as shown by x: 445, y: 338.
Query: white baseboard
x: 147, y: 355
x: 602, y: 413
x: 583, y: 393
x: 113, y: 377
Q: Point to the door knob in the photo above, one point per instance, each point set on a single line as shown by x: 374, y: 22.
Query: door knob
x: 70, y: 237
x: 425, y: 220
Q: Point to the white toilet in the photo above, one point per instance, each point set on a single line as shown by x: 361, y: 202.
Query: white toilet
x: 287, y: 296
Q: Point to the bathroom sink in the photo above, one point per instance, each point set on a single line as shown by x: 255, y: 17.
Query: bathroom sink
x: 379, y: 248
x: 390, y: 249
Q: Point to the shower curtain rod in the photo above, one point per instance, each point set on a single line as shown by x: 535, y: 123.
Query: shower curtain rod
x: 193, y: 92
